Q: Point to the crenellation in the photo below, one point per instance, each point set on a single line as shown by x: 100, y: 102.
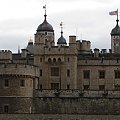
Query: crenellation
x: 5, y: 56
x: 77, y: 93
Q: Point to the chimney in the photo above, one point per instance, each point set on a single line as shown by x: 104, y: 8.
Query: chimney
x: 24, y: 53
x: 96, y: 53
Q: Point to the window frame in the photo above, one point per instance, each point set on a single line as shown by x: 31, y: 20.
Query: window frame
x: 68, y: 72
x: 101, y: 74
x: 5, y: 108
x: 86, y: 74
x: 40, y: 72
x: 6, y: 83
x: 55, y: 71
x: 117, y: 74
x: 55, y: 86
x: 22, y: 83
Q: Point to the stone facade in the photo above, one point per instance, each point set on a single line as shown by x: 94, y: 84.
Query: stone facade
x: 47, y: 81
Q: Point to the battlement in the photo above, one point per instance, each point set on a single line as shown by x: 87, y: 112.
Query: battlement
x: 5, y: 55
x: 76, y: 93
x: 55, y: 50
x: 99, y: 62
x: 18, y: 69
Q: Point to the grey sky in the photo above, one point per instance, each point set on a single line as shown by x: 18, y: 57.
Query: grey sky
x: 88, y: 19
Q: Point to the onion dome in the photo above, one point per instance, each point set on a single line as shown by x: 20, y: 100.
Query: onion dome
x: 61, y: 40
x: 45, y: 26
x: 116, y: 30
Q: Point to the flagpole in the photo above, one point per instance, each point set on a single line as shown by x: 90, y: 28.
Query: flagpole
x: 117, y: 17
x: 117, y: 14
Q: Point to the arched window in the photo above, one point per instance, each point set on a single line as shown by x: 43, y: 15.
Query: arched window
x: 59, y: 59
x: 49, y: 60
x: 54, y: 60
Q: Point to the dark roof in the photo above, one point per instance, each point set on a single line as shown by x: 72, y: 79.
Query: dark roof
x: 116, y: 30
x: 45, y: 26
x: 30, y: 47
x: 17, y: 56
x: 61, y: 40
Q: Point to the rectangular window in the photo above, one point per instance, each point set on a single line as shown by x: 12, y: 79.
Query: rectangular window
x: 22, y: 83
x: 54, y: 85
x: 40, y: 86
x: 86, y: 74
x: 101, y: 87
x: 6, y: 83
x: 68, y: 87
x: 102, y: 74
x: 117, y: 74
x: 86, y: 87
x: 40, y: 72
x: 68, y: 59
x: 40, y: 59
x: 54, y: 71
x: 5, y: 108
x: 68, y: 73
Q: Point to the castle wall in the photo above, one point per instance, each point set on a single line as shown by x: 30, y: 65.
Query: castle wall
x: 74, y: 105
x: 16, y: 105
x: 77, y: 102
x: 94, y: 66
x: 57, y: 117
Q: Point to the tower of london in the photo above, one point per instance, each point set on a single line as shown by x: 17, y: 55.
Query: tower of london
x: 70, y: 81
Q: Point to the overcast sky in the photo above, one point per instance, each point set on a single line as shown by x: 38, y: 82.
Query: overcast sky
x: 88, y: 19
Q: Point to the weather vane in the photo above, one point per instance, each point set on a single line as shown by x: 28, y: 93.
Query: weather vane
x: 61, y: 25
x: 44, y: 7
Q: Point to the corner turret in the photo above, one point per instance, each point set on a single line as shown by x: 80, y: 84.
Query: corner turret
x: 115, y: 37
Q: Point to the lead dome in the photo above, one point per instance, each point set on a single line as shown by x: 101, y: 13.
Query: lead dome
x: 61, y: 40
x: 45, y: 26
x: 116, y: 30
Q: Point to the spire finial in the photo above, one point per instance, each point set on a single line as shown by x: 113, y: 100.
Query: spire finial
x: 44, y: 7
x: 30, y: 39
x: 117, y: 17
x: 61, y: 25
x: 18, y: 49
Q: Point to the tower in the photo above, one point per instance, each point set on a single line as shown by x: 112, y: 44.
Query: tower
x: 44, y: 39
x: 115, y: 38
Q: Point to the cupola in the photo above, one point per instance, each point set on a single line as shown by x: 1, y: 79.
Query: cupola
x: 116, y: 30
x: 61, y: 40
x: 45, y: 26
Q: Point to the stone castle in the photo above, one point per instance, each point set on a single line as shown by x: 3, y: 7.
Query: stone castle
x: 58, y: 82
